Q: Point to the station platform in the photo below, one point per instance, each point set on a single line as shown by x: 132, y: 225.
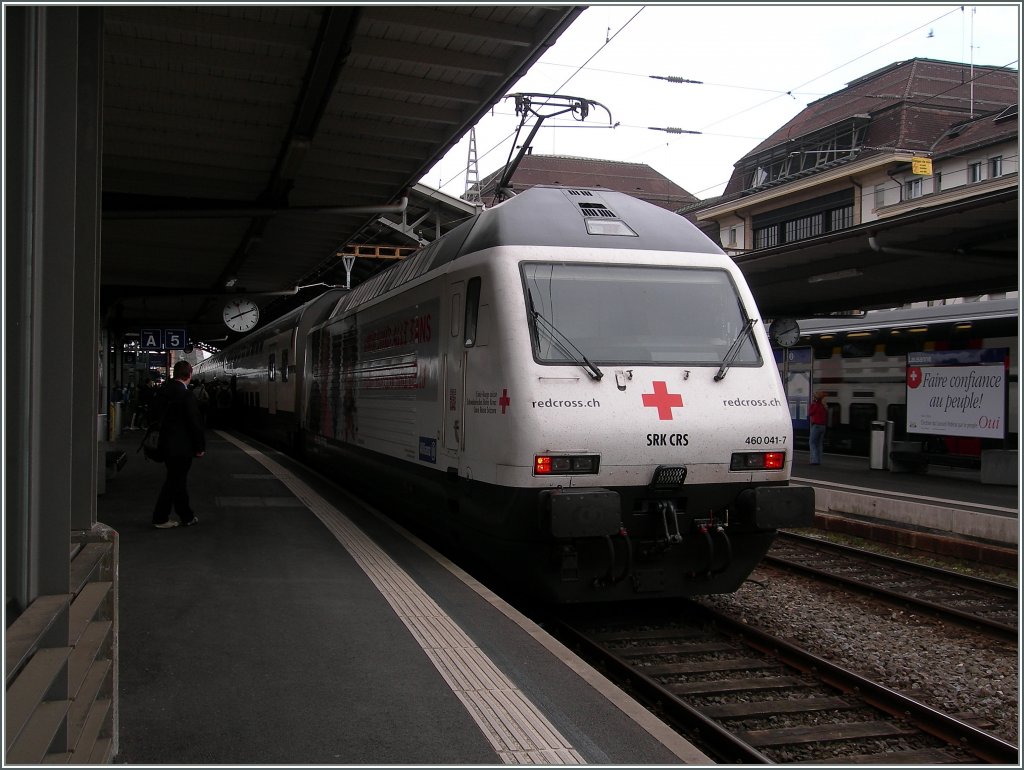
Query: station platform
x: 294, y: 626
x: 945, y: 510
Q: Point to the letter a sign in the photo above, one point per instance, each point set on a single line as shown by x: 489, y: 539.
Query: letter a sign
x: 151, y: 339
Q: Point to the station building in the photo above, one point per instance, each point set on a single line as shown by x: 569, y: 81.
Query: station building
x: 909, y: 137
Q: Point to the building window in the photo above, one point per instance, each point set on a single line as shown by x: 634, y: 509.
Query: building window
x: 766, y: 237
x: 912, y: 189
x: 974, y: 172
x: 879, y: 196
x: 805, y: 227
x: 840, y: 219
x: 806, y: 219
x: 937, y: 181
x: 732, y: 236
x: 995, y: 166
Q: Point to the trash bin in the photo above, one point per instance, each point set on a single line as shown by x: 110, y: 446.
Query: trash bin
x: 881, y: 440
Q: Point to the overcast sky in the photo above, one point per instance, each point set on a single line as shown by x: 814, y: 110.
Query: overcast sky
x: 759, y: 65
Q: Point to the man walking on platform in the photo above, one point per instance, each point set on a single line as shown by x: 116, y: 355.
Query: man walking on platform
x: 181, y: 438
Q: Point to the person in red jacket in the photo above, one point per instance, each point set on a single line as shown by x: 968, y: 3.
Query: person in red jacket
x: 818, y: 416
x: 182, y: 438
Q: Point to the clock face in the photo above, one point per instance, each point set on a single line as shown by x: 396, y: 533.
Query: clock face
x: 241, y: 315
x: 785, y: 332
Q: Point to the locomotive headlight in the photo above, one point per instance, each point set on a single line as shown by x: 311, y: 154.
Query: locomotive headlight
x: 564, y: 465
x: 584, y: 464
x: 758, y: 461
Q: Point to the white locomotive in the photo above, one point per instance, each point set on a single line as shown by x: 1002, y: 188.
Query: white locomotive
x: 574, y: 384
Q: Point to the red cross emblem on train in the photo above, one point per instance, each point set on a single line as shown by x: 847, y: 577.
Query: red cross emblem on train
x: 662, y: 400
x: 504, y: 401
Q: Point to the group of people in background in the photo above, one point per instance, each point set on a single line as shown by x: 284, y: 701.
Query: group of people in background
x: 214, y: 400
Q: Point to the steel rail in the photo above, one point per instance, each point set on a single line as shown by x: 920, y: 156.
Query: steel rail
x: 992, y: 627
x: 950, y: 729
x: 714, y: 738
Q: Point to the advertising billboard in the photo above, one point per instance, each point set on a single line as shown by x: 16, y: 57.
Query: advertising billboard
x: 958, y: 392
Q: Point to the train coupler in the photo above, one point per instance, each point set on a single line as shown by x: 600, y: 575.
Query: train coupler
x: 670, y: 521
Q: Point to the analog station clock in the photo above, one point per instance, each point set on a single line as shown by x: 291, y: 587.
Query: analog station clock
x: 784, y: 332
x: 241, y: 315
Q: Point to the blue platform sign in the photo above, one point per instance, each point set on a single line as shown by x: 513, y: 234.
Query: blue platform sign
x: 175, y: 339
x: 163, y: 339
x: 151, y: 339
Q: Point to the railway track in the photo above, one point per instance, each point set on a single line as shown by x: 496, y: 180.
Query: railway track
x: 746, y: 697
x: 983, y: 605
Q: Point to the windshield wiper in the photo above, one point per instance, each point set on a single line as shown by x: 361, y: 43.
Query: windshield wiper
x: 734, y: 351
x: 563, y: 343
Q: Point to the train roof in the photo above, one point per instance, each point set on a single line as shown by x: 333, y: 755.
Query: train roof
x: 898, y: 318
x: 552, y: 216
x: 549, y: 215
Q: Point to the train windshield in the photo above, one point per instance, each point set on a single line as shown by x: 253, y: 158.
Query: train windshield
x: 616, y: 314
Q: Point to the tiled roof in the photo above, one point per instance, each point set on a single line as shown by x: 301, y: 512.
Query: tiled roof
x: 979, y: 131
x: 924, y: 82
x: 636, y: 179
x: 910, y: 104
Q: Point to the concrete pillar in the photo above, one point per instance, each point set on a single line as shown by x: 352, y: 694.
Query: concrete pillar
x: 51, y: 263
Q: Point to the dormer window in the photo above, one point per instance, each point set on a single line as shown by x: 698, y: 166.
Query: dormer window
x: 807, y: 155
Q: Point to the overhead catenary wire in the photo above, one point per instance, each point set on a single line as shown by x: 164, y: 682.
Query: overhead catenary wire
x: 792, y: 91
x: 920, y: 102
x: 682, y: 78
x: 975, y: 77
x: 608, y: 40
x: 789, y: 92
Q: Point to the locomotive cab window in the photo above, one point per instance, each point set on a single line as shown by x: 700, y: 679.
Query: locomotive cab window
x: 629, y: 314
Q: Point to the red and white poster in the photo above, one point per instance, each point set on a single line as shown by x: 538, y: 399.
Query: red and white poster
x: 957, y: 393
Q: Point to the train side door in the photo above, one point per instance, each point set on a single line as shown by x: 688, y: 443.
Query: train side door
x: 463, y: 328
x: 453, y: 399
x: 272, y: 382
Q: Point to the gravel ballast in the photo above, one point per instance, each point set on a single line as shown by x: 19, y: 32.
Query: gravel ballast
x: 942, y: 665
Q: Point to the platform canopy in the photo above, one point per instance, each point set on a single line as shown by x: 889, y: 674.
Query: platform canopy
x: 244, y: 147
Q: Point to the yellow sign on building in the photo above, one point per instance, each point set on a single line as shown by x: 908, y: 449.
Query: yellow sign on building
x: 922, y: 166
